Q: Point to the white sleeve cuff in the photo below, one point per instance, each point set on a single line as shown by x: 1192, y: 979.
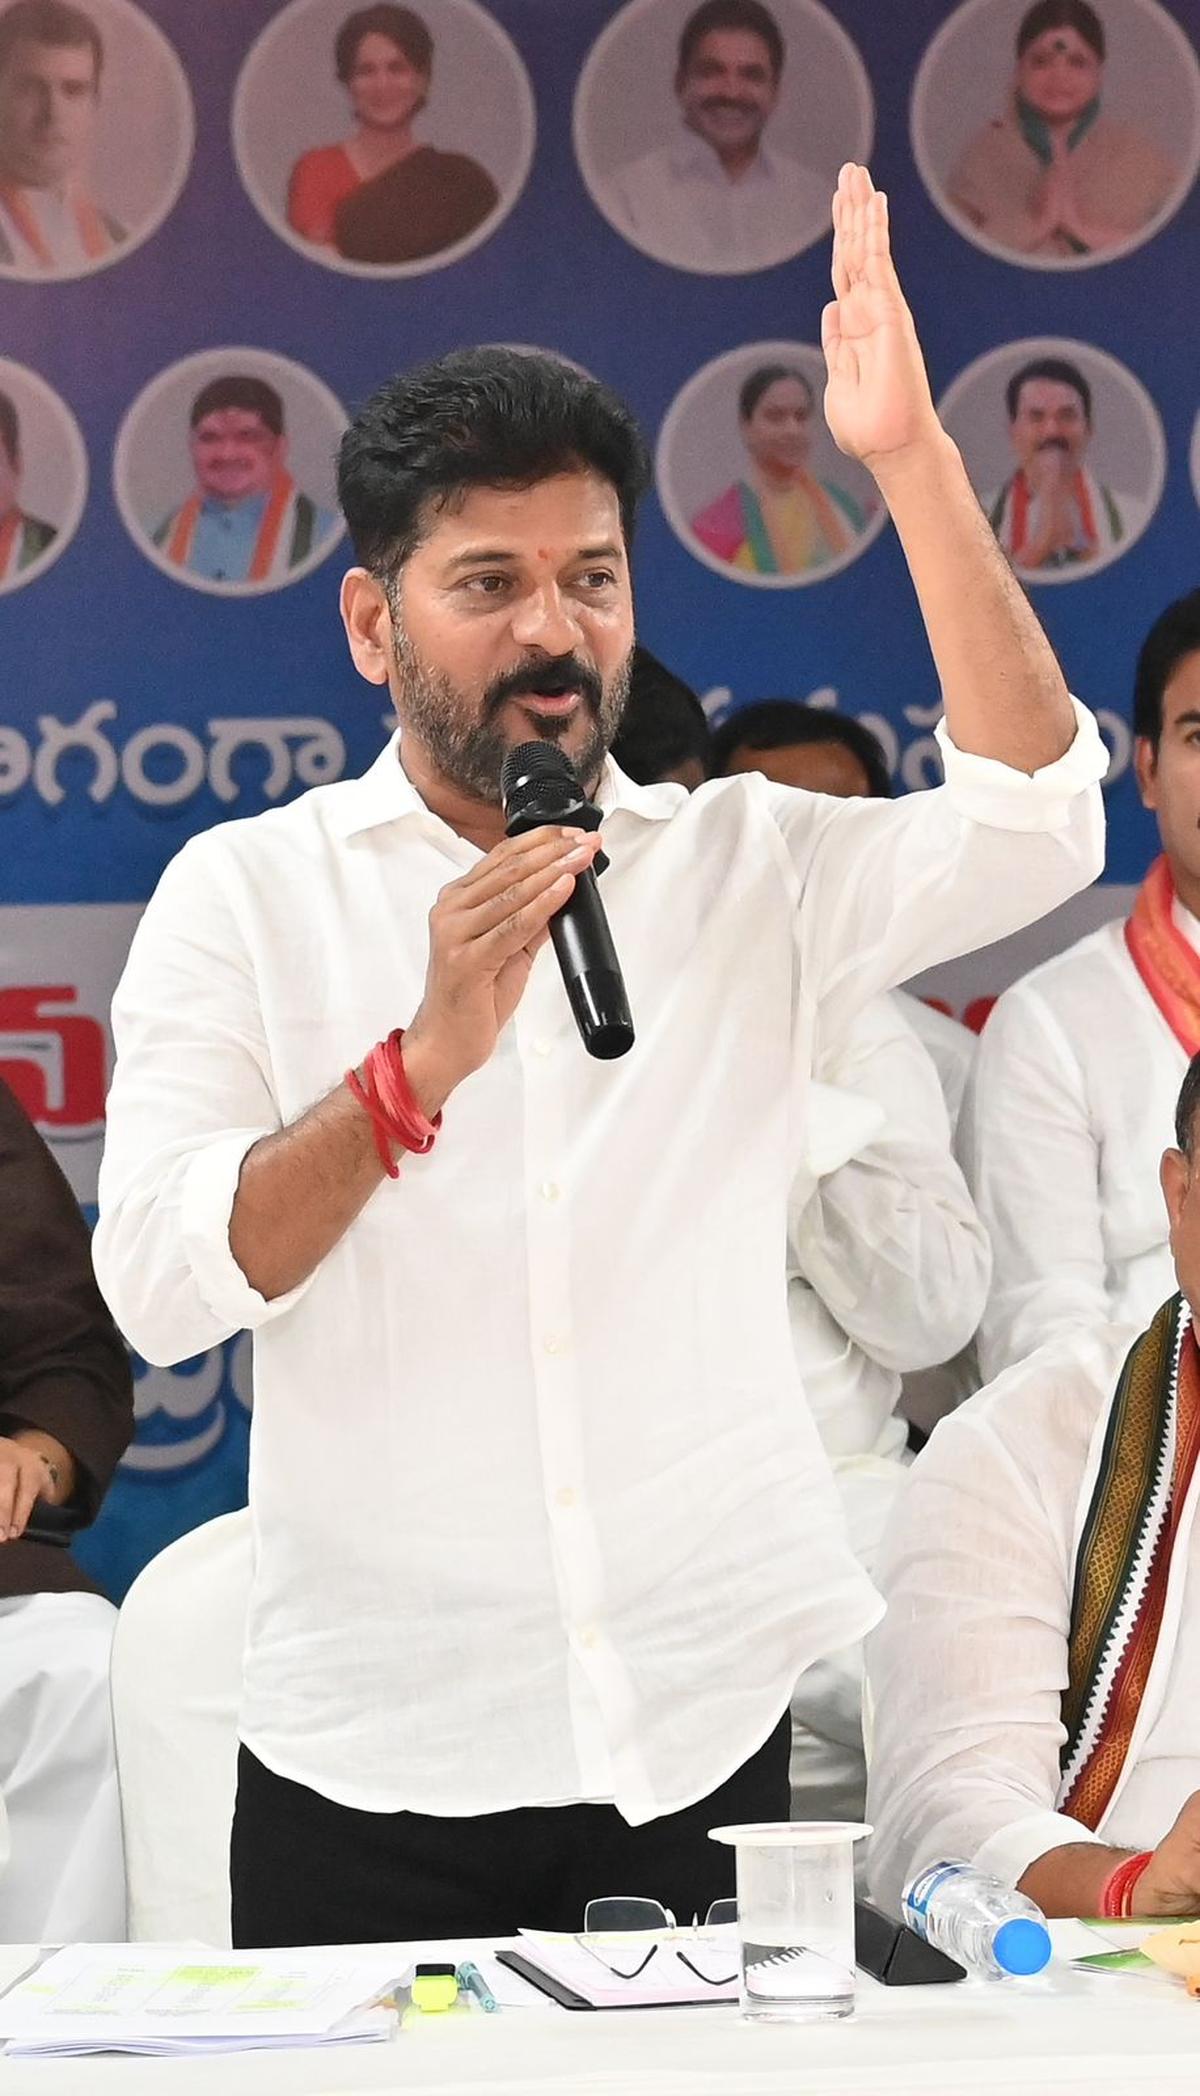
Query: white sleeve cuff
x: 209, y: 1190
x: 1008, y: 1854
x: 996, y: 794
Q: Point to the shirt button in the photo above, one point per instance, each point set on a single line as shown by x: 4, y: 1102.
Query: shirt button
x: 554, y: 1343
x: 543, y: 1047
x: 565, y: 1496
x: 549, y: 1191
x: 587, y: 1638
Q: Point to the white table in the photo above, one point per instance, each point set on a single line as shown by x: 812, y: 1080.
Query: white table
x: 1065, y: 2030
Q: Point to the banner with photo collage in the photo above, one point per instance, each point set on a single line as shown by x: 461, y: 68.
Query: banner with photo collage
x: 222, y: 226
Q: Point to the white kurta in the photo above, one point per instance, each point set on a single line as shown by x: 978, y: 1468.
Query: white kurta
x: 967, y: 1670
x: 595, y: 1502
x: 1069, y: 1108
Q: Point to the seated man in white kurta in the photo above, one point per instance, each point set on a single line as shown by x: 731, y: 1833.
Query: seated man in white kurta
x: 1069, y: 1105
x: 1034, y: 1682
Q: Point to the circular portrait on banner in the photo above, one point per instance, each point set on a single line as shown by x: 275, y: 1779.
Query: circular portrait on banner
x: 224, y: 471
x: 96, y: 134
x: 1065, y: 450
x: 751, y: 479
x: 43, y: 476
x: 710, y: 132
x: 383, y: 139
x: 1058, y: 133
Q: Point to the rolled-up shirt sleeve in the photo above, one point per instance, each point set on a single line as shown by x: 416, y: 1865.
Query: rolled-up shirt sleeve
x: 190, y: 1096
x: 888, y: 888
x: 967, y: 1671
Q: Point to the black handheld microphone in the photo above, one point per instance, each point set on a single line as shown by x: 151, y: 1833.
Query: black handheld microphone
x: 538, y: 784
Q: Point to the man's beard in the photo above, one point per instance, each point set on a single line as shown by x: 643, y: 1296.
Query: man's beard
x: 464, y: 736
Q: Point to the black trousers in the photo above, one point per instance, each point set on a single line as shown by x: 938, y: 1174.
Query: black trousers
x: 304, y: 1870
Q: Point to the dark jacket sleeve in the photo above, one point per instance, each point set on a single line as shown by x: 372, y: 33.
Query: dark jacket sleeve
x: 63, y: 1366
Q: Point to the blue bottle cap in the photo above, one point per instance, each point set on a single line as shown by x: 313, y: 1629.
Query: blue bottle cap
x: 1021, y: 1946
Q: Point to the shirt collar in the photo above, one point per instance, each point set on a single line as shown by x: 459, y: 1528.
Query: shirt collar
x: 385, y: 793
x: 692, y: 158
x: 251, y: 508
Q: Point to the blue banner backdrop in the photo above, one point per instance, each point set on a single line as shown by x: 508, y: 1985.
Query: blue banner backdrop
x: 137, y: 708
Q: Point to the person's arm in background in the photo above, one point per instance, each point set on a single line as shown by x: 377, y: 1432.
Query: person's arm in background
x: 1032, y: 1162
x: 66, y: 1390
x: 890, y: 1240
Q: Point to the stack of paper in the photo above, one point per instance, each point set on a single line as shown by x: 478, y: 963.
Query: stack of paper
x: 158, y: 1998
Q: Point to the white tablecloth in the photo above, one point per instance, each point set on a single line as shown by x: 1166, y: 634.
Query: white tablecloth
x: 1065, y: 2030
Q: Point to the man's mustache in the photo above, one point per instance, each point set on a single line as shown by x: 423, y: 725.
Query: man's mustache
x: 720, y: 102
x: 1054, y: 444
x: 565, y: 673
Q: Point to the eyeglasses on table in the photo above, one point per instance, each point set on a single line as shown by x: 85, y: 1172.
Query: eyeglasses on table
x: 615, y: 1933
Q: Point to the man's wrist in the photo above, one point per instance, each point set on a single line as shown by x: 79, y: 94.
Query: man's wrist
x: 915, y: 471
x: 430, y: 1077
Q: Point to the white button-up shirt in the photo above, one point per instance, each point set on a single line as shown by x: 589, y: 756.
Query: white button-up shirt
x: 1069, y: 1108
x: 539, y: 1510
x: 968, y: 1668
x: 679, y: 205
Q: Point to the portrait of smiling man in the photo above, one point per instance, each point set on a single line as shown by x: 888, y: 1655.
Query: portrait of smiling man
x: 245, y: 520
x: 51, y: 62
x: 718, y: 196
x: 541, y: 1517
x: 1053, y: 512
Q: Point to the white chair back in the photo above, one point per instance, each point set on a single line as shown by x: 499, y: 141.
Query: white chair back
x: 176, y: 1685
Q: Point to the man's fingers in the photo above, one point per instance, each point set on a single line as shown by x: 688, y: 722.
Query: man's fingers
x: 9, y: 1477
x: 29, y: 1484
x: 524, y: 924
x: 523, y: 886
x: 511, y: 862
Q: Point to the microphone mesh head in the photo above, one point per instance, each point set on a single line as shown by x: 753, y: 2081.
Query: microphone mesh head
x: 538, y: 775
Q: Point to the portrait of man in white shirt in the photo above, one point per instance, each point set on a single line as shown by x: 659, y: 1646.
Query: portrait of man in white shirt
x: 719, y: 196
x: 51, y: 65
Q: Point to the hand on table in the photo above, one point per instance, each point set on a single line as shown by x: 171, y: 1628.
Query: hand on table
x: 1170, y: 1883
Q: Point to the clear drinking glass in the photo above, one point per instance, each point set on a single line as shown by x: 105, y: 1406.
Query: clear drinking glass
x: 795, y: 1908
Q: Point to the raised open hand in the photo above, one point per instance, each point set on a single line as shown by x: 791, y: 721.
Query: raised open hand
x: 877, y: 398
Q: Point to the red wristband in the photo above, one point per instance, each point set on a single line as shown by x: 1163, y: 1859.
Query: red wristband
x: 384, y: 1092
x: 1116, y: 1895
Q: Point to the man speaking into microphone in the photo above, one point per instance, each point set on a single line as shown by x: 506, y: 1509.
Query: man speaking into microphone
x: 543, y: 1533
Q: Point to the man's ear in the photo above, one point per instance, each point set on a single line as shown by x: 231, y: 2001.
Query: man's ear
x: 1145, y: 765
x: 1174, y: 1176
x: 368, y: 623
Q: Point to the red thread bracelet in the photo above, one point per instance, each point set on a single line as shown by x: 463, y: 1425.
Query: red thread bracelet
x: 384, y: 1092
x: 1116, y: 1894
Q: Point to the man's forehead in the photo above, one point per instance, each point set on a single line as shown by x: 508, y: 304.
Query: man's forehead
x: 1049, y: 393
x: 740, y: 47
x: 557, y: 516
x: 232, y: 422
x: 63, y: 61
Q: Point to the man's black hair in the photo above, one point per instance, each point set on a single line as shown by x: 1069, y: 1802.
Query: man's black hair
x: 399, y: 24
x: 50, y: 22
x: 1062, y: 374
x: 663, y: 723
x: 779, y: 724
x: 762, y: 378
x: 1174, y: 635
x: 1061, y: 14
x: 10, y: 430
x: 1186, y: 1108
x: 750, y: 15
x: 490, y: 417
x: 239, y: 390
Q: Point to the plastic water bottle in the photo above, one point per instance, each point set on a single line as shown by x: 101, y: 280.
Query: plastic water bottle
x: 987, y: 1926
